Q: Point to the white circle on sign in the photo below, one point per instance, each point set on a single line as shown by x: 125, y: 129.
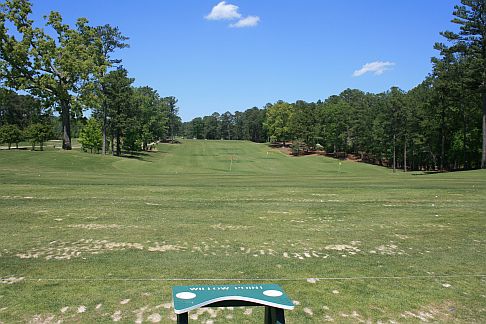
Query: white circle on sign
x: 185, y: 295
x: 273, y: 293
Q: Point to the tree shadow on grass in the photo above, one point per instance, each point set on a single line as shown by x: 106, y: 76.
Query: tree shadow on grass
x: 140, y: 156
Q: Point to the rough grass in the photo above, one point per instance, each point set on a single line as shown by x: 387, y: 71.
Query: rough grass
x: 91, y: 238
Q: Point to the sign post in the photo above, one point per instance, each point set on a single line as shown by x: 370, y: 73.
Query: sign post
x: 271, y: 296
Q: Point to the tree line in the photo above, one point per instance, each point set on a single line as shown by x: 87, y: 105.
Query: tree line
x: 68, y: 70
x: 438, y: 125
x: 247, y: 125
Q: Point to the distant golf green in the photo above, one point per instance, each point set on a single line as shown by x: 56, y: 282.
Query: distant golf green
x: 90, y: 238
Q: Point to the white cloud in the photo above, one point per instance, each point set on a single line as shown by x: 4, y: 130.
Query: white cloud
x: 377, y: 68
x: 224, y: 11
x: 250, y: 21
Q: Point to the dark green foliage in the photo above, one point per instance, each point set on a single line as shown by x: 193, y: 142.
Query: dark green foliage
x: 426, y: 128
x: 462, y: 70
x: 38, y: 134
x: 119, y: 102
x: 153, y: 115
x: 10, y: 134
x: 21, y: 110
x: 131, y: 140
x: 247, y: 125
x: 53, y: 65
x: 136, y: 117
x: 174, y: 121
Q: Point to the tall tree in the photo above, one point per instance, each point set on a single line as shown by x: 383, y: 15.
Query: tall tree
x: 227, y: 126
x: 212, y: 126
x: 470, y: 41
x: 198, y: 128
x: 173, y: 110
x: 55, y: 68
x: 278, y: 120
x: 119, y: 101
x: 396, y: 120
x: 153, y: 113
x: 111, y: 39
x: 334, y: 115
x: 303, y: 122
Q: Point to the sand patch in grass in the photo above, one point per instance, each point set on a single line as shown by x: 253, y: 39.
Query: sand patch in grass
x: 308, y: 311
x: 342, y: 247
x: 432, y: 313
x: 11, y: 280
x: 95, y: 226
x: 61, y: 250
x: 230, y: 227
x: 165, y: 247
x: 43, y: 319
x: 389, y: 249
x: 116, y: 317
x: 154, y: 318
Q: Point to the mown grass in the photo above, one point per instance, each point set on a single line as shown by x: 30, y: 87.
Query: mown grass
x: 102, y: 229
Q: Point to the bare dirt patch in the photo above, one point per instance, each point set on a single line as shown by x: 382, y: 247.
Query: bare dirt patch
x: 343, y: 248
x: 11, y: 280
x: 432, y: 313
x: 61, y: 250
x: 154, y: 318
x: 95, y: 226
x: 229, y: 227
x: 388, y: 249
x: 43, y: 319
x: 165, y: 247
x: 116, y: 317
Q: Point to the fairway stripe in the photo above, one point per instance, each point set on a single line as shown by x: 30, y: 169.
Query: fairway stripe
x: 262, y: 279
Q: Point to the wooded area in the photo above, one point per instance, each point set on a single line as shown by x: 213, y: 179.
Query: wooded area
x: 70, y: 70
x: 438, y: 125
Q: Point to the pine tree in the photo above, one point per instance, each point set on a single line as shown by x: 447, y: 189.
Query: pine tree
x: 470, y: 42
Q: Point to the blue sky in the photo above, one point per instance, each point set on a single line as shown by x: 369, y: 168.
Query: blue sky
x: 267, y: 50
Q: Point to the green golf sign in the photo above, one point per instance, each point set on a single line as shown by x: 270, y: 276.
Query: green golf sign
x: 187, y: 298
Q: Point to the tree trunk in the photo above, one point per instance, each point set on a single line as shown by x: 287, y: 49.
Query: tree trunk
x: 9, y: 145
x: 105, y: 120
x: 483, y: 157
x: 105, y: 117
x: 66, y: 124
x: 118, y: 144
x: 394, y: 155
x: 464, y: 135
x: 442, y: 135
x: 405, y: 156
x: 112, y: 139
